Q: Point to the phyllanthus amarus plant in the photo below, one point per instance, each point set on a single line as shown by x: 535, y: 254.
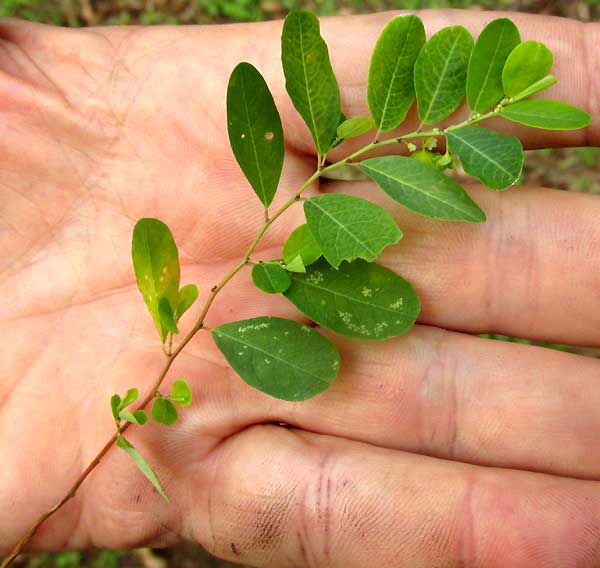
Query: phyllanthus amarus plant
x: 326, y: 267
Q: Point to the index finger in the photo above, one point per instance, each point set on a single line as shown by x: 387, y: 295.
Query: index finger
x: 351, y: 41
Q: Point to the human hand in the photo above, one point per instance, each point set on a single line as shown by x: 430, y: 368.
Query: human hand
x: 423, y: 453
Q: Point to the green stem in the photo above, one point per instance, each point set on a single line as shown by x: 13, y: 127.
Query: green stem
x: 172, y: 355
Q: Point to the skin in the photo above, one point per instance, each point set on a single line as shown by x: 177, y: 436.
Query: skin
x: 434, y: 449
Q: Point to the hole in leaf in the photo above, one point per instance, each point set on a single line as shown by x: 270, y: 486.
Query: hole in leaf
x: 269, y: 136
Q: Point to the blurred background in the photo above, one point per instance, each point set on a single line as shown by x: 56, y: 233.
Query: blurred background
x: 571, y: 170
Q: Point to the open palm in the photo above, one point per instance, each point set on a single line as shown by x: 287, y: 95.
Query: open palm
x: 102, y: 127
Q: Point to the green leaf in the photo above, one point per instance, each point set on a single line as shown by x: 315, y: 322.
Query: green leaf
x: 527, y: 63
x: 433, y: 159
x: 347, y: 227
x: 156, y: 264
x: 441, y: 72
x: 427, y: 157
x: 142, y: 465
x: 422, y: 189
x: 495, y: 159
x: 361, y: 300
x: 484, y: 74
x: 337, y: 140
x: 181, y: 393
x: 166, y: 315
x: 301, y: 243
x: 270, y: 277
x: 309, y: 78
x: 391, y: 88
x: 138, y: 417
x: 295, y: 265
x: 130, y: 397
x: 280, y: 357
x: 163, y: 411
x: 443, y: 161
x: 354, y: 127
x: 187, y: 296
x: 115, y: 403
x: 255, y: 131
x: 141, y: 417
x: 547, y: 114
x: 537, y: 87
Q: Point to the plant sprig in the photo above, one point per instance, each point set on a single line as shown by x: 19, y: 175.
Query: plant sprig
x: 327, y: 269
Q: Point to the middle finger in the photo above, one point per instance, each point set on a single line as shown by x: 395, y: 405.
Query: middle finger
x: 443, y: 394
x: 532, y: 270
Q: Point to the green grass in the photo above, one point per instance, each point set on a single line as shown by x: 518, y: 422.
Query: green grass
x: 100, y: 559
x: 117, y: 12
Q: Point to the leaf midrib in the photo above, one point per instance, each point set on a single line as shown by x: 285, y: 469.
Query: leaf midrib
x: 485, y: 156
x: 489, y: 69
x: 400, y: 56
x: 283, y: 361
x: 351, y: 298
x: 312, y: 202
x: 251, y: 131
x: 308, y: 91
x: 437, y: 90
x: 149, y: 257
x: 418, y: 190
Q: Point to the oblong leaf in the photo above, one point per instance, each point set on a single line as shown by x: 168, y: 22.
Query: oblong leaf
x: 255, y: 131
x: 536, y: 87
x: 139, y: 417
x: 130, y: 397
x: 142, y: 465
x: 391, y: 89
x: 280, y: 357
x: 529, y: 62
x: 115, y: 402
x: 166, y: 315
x: 164, y: 412
x: 270, y: 277
x: 494, y: 158
x: 354, y: 127
x: 361, y: 300
x: 156, y: 265
x: 337, y: 140
x: 181, y: 393
x: 187, y: 296
x: 301, y: 243
x: 309, y: 78
x: 422, y: 188
x: 441, y: 73
x: 347, y: 227
x: 484, y: 74
x: 547, y: 114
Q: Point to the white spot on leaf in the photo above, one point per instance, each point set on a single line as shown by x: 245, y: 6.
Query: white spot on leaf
x: 253, y: 327
x: 315, y: 277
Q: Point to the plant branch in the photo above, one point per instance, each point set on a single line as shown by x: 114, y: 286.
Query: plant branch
x: 170, y: 358
x: 172, y: 355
